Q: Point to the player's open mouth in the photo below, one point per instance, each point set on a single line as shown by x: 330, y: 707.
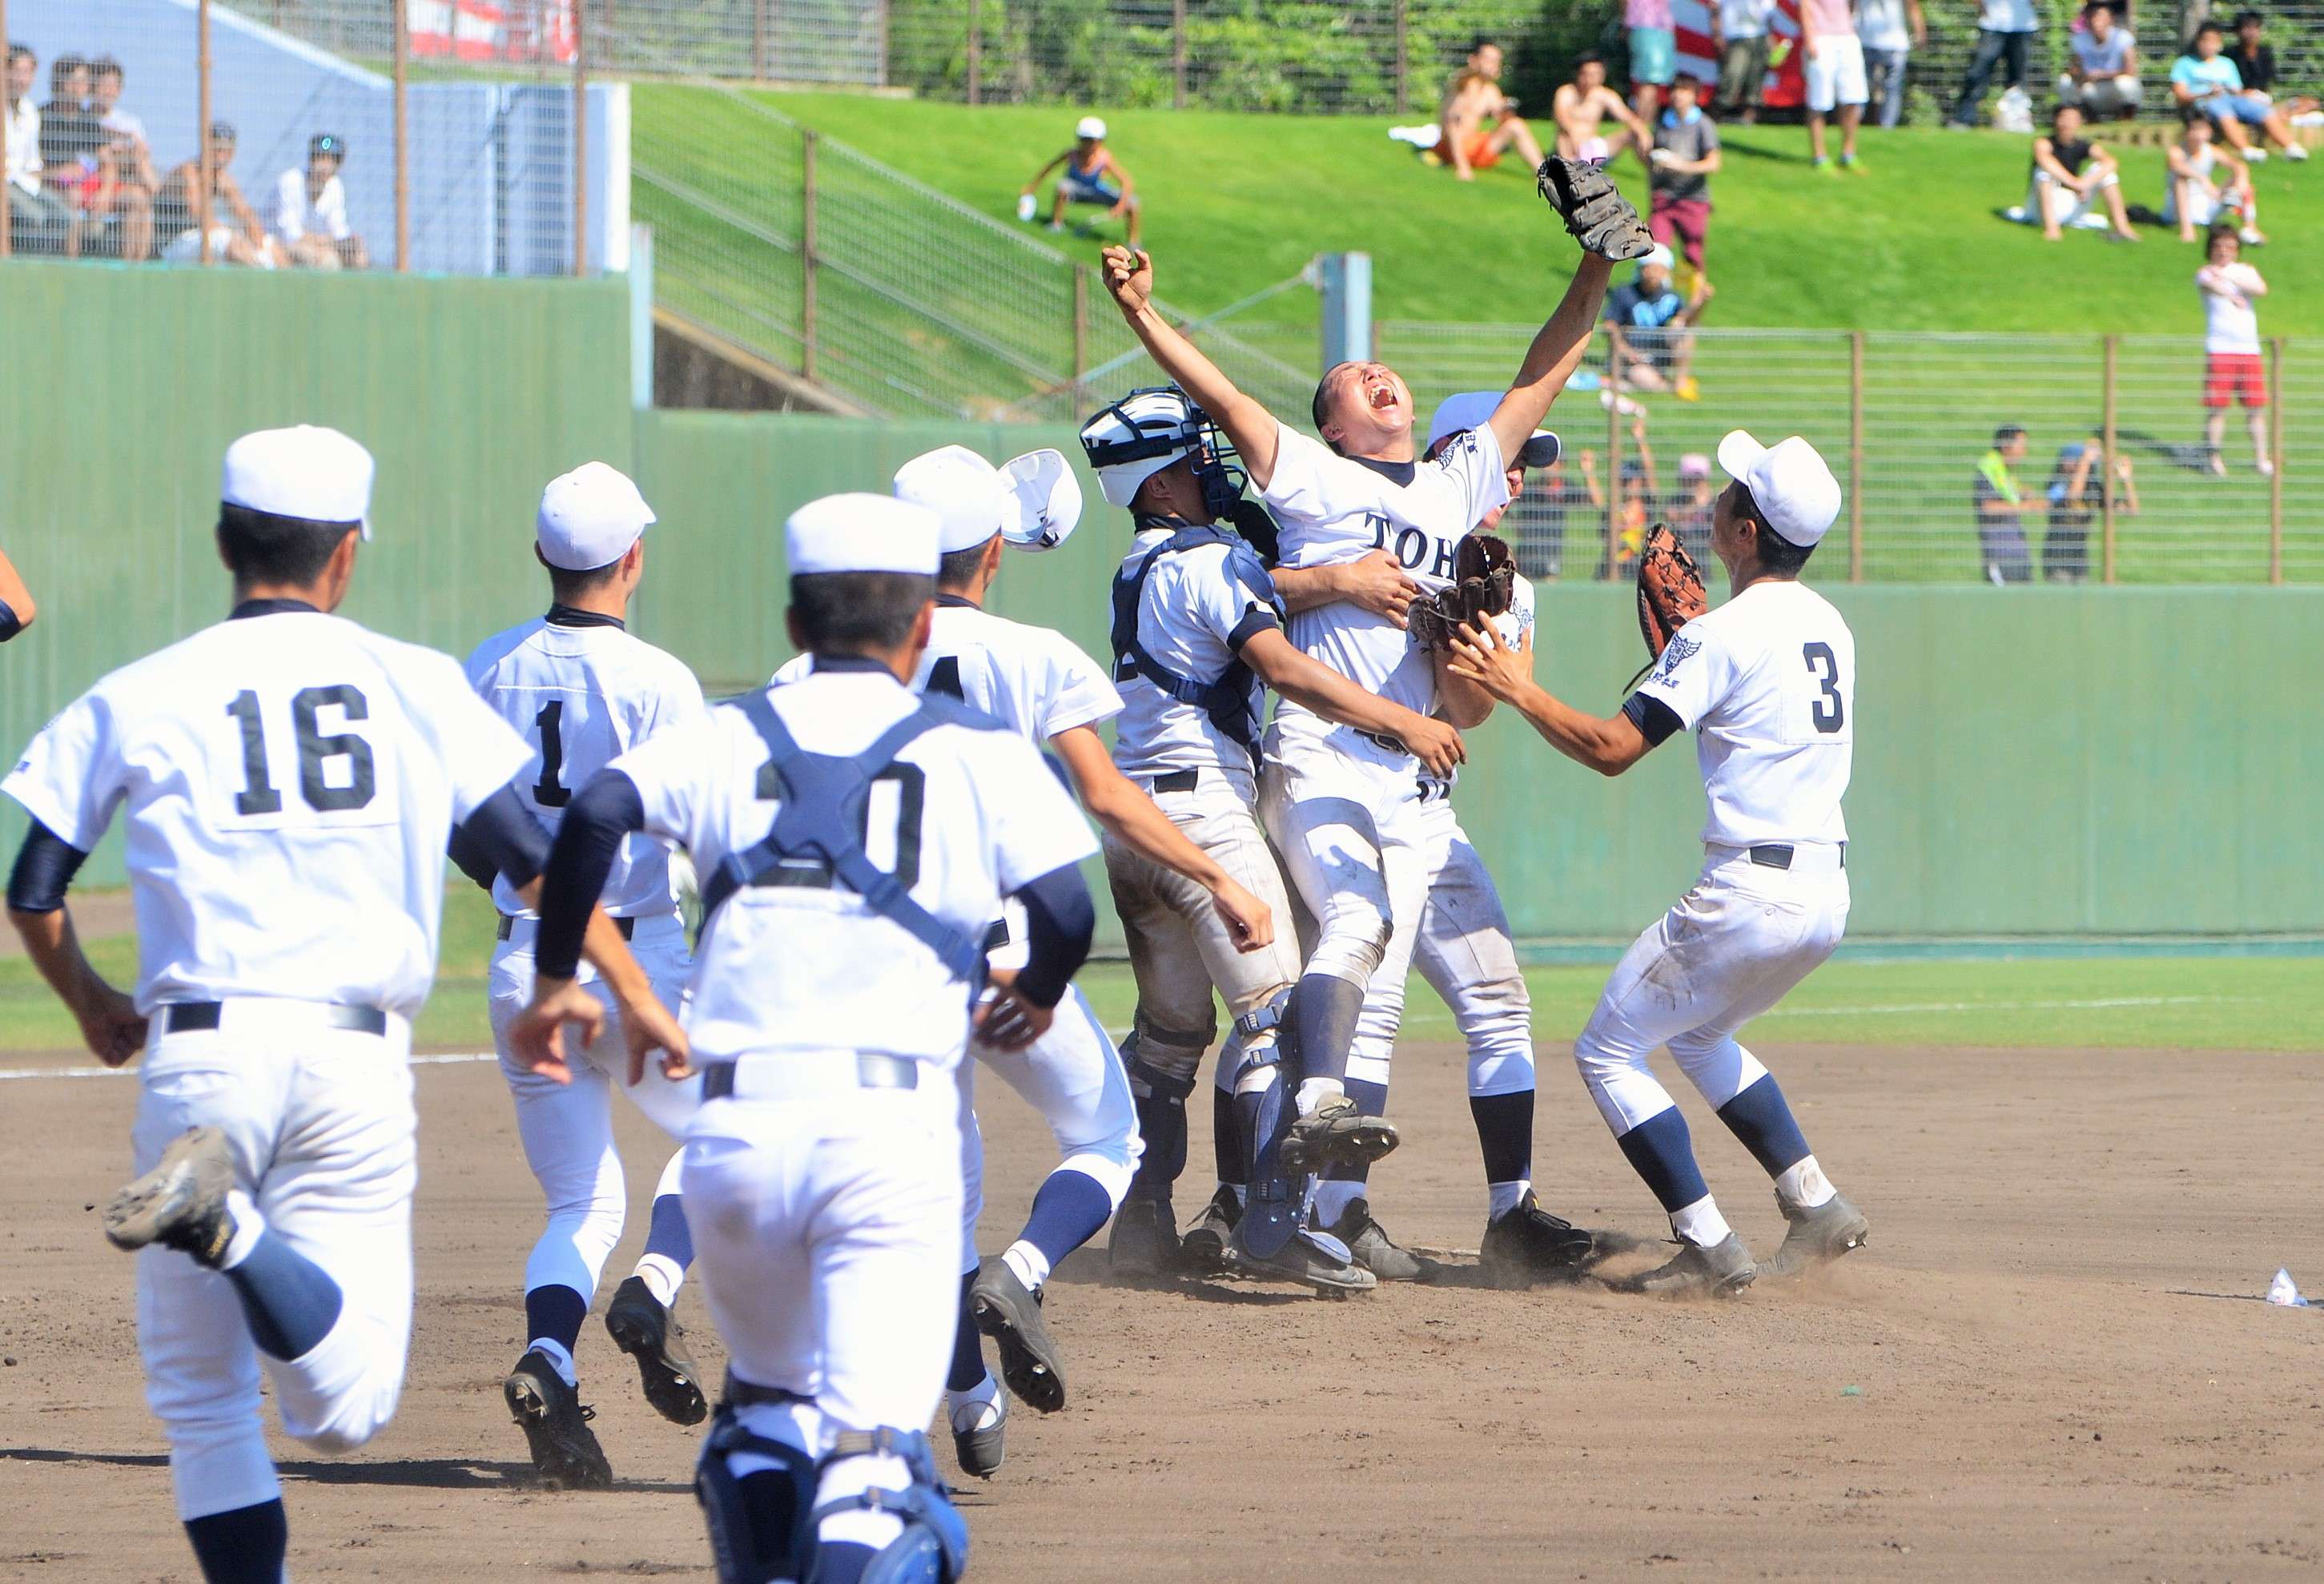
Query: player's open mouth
x: 1382, y: 397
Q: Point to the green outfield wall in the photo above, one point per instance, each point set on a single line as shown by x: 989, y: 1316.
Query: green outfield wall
x: 2042, y: 761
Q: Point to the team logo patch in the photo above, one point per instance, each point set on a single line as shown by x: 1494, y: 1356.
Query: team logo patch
x: 1679, y: 647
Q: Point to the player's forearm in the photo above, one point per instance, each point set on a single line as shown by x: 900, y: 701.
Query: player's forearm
x: 1608, y: 747
x: 600, y: 815
x: 1556, y: 352
x: 53, y: 946
x: 1310, y: 588
x: 1312, y: 685
x: 1131, y: 818
x: 1460, y: 702
x: 1251, y: 427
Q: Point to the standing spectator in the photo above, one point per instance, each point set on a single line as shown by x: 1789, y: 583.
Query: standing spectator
x: 17, y: 607
x: 225, y: 218
x: 2066, y: 543
x: 39, y: 220
x: 1653, y: 53
x: 310, y: 211
x: 2207, y: 80
x: 1464, y: 140
x: 1689, y: 511
x: 2071, y: 175
x: 2255, y: 60
x: 1835, y: 77
x: 1581, y: 109
x: 2005, y: 29
x: 2101, y: 71
x: 2207, y: 184
x: 1649, y: 326
x: 2002, y: 505
x: 1738, y: 28
x: 2233, y: 370
x: 1889, y: 32
x: 1685, y: 157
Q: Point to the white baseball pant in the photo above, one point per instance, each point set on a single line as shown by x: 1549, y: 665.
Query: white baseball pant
x: 568, y: 1130
x: 320, y: 1123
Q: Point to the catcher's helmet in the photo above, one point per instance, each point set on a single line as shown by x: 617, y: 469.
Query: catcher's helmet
x: 1148, y: 430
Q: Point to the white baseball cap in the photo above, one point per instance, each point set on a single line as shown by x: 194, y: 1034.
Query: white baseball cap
x: 861, y: 532
x: 1033, y: 501
x: 1796, y: 493
x: 589, y: 518
x: 316, y: 473
x: 1471, y: 410
x: 1657, y: 254
x: 1090, y: 127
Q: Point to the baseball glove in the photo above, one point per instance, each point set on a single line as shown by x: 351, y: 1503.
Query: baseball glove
x: 1593, y: 208
x: 1484, y: 585
x: 1670, y: 591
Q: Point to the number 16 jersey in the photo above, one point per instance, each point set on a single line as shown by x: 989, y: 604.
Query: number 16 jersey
x: 290, y: 782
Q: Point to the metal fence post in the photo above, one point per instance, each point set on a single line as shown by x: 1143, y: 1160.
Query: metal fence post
x: 809, y: 245
x: 758, y: 40
x: 975, y: 55
x: 580, y: 137
x: 202, y: 116
x: 1856, y: 456
x: 2276, y: 453
x: 1613, y: 457
x: 402, y: 137
x: 1178, y: 54
x: 1403, y: 80
x: 7, y: 225
x: 1080, y: 332
x: 2106, y: 478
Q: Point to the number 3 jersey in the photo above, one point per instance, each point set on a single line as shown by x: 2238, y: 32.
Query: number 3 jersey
x: 583, y: 692
x: 289, y: 782
x: 1768, y: 683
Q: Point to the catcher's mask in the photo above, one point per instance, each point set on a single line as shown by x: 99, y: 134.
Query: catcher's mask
x: 1148, y: 430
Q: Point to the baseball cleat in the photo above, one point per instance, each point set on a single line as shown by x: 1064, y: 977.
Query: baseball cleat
x: 981, y: 1447
x: 1335, y: 1133
x: 1011, y: 1315
x: 1721, y: 1270
x: 181, y: 1203
x: 1371, y: 1248
x: 649, y: 1333
x: 1817, y: 1237
x: 1527, y: 1244
x: 556, y: 1425
x: 1144, y: 1243
x: 1319, y: 1261
x: 1206, y: 1249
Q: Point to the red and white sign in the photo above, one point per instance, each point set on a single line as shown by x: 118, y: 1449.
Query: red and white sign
x: 491, y: 30
x: 1784, y: 84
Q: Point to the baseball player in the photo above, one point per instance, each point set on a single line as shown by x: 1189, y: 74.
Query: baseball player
x: 1767, y: 681
x: 290, y: 782
x: 1037, y: 682
x: 841, y: 958
x: 582, y: 691
x: 1197, y: 639
x: 1344, y: 809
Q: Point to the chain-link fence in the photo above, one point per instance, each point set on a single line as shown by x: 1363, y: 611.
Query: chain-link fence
x: 1915, y: 424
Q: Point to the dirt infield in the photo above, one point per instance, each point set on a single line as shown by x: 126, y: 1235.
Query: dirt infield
x: 2003, y: 1384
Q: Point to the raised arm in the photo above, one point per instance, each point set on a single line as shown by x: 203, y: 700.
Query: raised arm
x: 1128, y: 187
x: 1555, y: 353
x: 1044, y: 170
x: 1130, y: 277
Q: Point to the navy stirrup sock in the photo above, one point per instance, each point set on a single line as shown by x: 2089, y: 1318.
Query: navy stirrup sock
x: 245, y: 1546
x: 289, y: 1300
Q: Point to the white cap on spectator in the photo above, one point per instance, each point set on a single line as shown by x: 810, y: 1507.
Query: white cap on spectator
x: 1657, y: 254
x: 1470, y: 409
x: 1796, y: 494
x: 309, y: 472
x: 1033, y: 500
x: 1694, y: 464
x: 1091, y: 127
x: 589, y: 518
x: 861, y: 532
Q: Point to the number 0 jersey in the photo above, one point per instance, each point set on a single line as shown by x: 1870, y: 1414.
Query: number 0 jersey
x: 291, y: 781
x: 583, y: 692
x: 1768, y: 683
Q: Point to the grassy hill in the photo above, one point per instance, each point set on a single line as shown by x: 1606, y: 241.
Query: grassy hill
x: 1234, y: 202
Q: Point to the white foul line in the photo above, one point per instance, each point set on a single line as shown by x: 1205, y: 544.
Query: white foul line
x: 8, y: 1072
x: 2008, y: 1006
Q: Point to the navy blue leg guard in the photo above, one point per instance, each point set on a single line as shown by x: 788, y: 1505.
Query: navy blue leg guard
x: 762, y: 1523
x: 933, y: 1549
x: 1264, y: 1106
x: 1161, y: 1101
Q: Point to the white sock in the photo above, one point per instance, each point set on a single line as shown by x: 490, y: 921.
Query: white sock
x: 248, y: 1228
x: 1500, y: 1198
x: 1314, y: 1092
x: 662, y: 1278
x: 1700, y: 1223
x: 1803, y: 1186
x: 981, y: 1407
x: 556, y: 1353
x: 1029, y: 1264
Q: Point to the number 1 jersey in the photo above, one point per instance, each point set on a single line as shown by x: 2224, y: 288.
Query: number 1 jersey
x: 290, y: 782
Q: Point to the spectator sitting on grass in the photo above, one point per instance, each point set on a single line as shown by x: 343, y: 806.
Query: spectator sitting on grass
x: 2255, y: 60
x: 1649, y: 326
x: 1464, y: 141
x: 2101, y: 71
x: 227, y: 219
x: 2071, y: 175
x: 310, y: 211
x: 2066, y: 544
x: 16, y: 610
x: 2002, y: 505
x: 2209, y: 80
x: 1092, y: 175
x: 39, y: 220
x: 2233, y: 370
x: 1582, y: 109
x: 1685, y: 157
x: 2207, y: 184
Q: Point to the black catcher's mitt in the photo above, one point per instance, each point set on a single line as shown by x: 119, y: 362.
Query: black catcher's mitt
x: 1670, y: 592
x: 1593, y: 208
x: 1484, y: 585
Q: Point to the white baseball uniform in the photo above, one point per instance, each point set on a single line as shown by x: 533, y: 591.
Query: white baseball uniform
x: 291, y: 781
x: 583, y: 692
x: 825, y: 1206
x: 1768, y: 683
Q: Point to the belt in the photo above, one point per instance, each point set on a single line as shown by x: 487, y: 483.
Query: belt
x: 1177, y: 781
x: 871, y: 1072
x: 996, y: 934
x: 1779, y: 854
x: 628, y: 926
x: 1432, y: 788
x: 1390, y: 743
x: 203, y: 1016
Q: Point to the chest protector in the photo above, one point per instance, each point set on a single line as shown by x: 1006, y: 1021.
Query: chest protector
x: 1233, y: 699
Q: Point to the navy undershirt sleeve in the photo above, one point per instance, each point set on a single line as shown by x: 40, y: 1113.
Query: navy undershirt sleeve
x: 588, y: 839
x: 500, y: 837
x: 1654, y: 720
x: 9, y: 625
x: 1060, y: 921
x: 1259, y: 619
x: 45, y: 865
